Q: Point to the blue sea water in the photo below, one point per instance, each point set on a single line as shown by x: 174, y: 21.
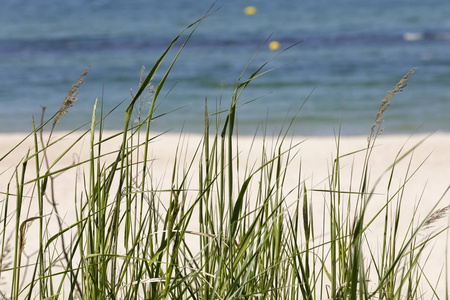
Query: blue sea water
x: 350, y: 53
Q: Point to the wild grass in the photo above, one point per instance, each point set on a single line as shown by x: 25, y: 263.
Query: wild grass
x: 219, y: 223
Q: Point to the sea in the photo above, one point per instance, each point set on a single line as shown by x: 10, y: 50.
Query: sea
x: 327, y: 65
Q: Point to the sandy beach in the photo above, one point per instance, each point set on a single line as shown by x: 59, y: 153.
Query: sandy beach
x: 314, y: 155
x: 310, y: 163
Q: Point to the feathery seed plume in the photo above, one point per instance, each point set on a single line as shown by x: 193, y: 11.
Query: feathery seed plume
x: 71, y: 97
x: 437, y: 215
x: 385, y: 103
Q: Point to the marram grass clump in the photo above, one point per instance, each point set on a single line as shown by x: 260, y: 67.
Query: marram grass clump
x: 218, y: 225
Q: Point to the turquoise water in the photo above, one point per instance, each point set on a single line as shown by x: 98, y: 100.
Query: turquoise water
x: 351, y: 53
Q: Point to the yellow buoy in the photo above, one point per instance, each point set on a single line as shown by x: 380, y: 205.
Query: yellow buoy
x: 250, y: 10
x: 274, y: 45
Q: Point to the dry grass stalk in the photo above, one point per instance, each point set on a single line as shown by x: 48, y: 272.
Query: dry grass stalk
x: 385, y: 103
x: 4, y: 264
x: 23, y: 230
x: 22, y: 240
x: 71, y: 97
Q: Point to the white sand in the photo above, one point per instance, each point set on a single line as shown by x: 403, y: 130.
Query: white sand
x: 315, y: 156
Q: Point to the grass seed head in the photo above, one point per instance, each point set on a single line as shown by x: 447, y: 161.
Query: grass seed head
x: 71, y: 97
x: 385, y: 103
x: 436, y: 216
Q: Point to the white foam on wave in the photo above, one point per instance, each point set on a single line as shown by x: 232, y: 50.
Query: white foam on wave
x: 412, y: 36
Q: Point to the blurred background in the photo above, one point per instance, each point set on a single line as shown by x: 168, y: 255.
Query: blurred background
x: 350, y: 54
